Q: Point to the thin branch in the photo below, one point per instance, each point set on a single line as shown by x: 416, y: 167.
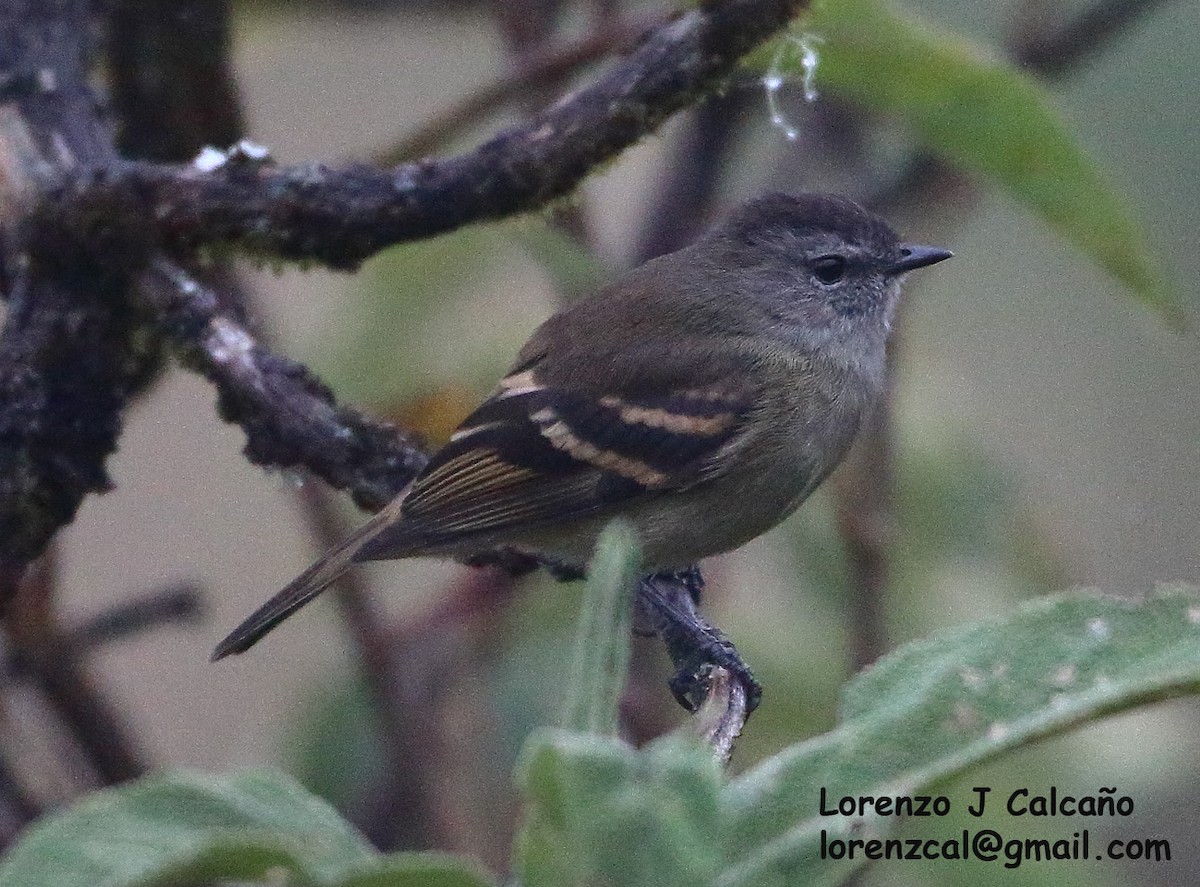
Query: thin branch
x: 338, y: 216
x: 1052, y: 55
x: 172, y: 87
x: 174, y: 93
x: 69, y: 355
x: 695, y: 174
x: 403, y: 712
x: 528, y: 26
x: 342, y: 216
x: 289, y: 416
x: 94, y: 724
x: 722, y: 716
x: 864, y: 490
x: 180, y: 604
x: 1058, y: 51
x: 40, y: 650
x: 18, y: 806
x: 176, y: 605
x: 544, y: 68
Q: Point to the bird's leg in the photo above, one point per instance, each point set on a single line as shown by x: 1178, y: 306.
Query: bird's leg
x: 666, y: 606
x: 668, y: 602
x: 693, y: 579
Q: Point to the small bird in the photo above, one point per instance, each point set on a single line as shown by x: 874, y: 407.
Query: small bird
x: 703, y: 396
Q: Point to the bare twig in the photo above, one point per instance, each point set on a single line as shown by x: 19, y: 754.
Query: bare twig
x: 543, y: 68
x: 170, y: 606
x: 1057, y: 51
x: 528, y: 27
x: 175, y: 605
x: 172, y: 85
x: 394, y: 681
x: 69, y: 278
x: 720, y: 719
x: 1050, y: 54
x: 864, y: 488
x: 691, y: 182
x: 18, y: 805
x: 682, y: 208
x: 290, y: 418
x: 41, y: 651
x: 69, y: 356
x: 341, y: 216
x: 94, y: 724
x: 174, y: 92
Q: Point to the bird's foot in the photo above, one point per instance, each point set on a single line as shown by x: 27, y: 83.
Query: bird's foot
x: 690, y: 683
x: 668, y: 601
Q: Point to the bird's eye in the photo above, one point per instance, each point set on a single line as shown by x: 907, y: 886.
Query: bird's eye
x: 829, y: 269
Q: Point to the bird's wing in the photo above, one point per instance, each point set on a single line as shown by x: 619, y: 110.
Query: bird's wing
x: 536, y: 453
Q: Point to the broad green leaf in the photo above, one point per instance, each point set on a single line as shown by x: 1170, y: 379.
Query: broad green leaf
x: 602, y: 638
x: 984, y: 115
x: 603, y: 814
x: 936, y: 707
x: 188, y: 828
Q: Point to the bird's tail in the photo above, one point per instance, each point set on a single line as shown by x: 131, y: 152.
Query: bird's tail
x: 305, y: 587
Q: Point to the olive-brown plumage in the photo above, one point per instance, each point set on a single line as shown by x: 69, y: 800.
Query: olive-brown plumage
x: 703, y: 396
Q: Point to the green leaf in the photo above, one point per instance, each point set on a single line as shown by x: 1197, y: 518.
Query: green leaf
x: 188, y: 828
x: 984, y: 115
x: 602, y: 639
x: 602, y: 814
x: 936, y: 707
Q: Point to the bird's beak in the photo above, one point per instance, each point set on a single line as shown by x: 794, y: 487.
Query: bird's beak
x: 913, y: 256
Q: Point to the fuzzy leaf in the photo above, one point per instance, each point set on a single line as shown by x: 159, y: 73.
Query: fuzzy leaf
x: 936, y: 707
x: 187, y: 827
x: 603, y: 814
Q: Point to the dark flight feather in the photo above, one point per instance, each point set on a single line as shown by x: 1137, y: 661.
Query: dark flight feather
x: 304, y: 587
x: 530, y: 455
x: 544, y: 455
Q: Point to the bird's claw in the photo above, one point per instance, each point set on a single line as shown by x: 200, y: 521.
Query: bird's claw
x: 690, y: 683
x: 694, y: 645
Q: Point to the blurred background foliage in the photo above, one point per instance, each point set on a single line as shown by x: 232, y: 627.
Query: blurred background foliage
x: 1044, y: 430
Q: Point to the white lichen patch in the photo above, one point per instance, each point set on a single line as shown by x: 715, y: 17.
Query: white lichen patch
x: 247, y: 150
x: 210, y: 159
x: 227, y: 343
